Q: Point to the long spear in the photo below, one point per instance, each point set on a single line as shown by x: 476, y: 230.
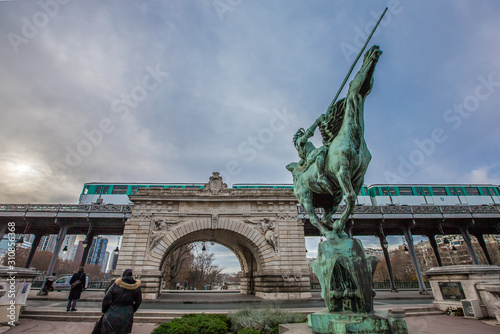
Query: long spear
x: 356, y: 60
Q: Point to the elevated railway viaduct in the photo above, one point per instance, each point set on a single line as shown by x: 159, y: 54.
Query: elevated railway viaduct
x: 278, y: 204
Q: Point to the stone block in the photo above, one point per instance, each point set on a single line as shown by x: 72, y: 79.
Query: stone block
x: 324, y: 322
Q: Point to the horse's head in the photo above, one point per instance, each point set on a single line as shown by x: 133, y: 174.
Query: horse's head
x: 373, y: 54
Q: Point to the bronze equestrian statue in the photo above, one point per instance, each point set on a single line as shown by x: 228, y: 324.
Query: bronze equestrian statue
x: 324, y: 175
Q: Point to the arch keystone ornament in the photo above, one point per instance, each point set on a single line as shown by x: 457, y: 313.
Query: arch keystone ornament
x: 269, y: 244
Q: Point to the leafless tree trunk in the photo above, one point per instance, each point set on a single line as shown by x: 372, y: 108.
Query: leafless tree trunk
x: 179, y: 259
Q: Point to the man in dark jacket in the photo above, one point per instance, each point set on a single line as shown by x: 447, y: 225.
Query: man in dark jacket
x: 120, y: 303
x: 77, y: 282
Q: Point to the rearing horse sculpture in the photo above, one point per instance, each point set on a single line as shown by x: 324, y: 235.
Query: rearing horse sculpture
x: 346, y: 159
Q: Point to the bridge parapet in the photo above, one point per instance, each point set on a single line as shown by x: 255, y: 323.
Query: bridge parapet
x: 413, y: 209
x: 65, y: 208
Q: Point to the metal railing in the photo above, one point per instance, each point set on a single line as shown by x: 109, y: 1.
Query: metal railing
x: 97, y: 285
x: 66, y: 208
x: 385, y: 285
x: 414, y: 209
x: 362, y: 209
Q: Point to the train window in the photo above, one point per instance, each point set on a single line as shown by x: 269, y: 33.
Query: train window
x: 452, y: 190
x: 384, y: 191
x: 119, y: 189
x: 86, y: 190
x: 105, y: 190
x: 488, y: 191
x: 460, y: 191
x: 439, y: 191
x: 495, y: 191
x: 472, y: 191
x: 419, y: 191
x: 377, y: 191
x: 133, y: 189
x: 97, y: 190
x: 427, y: 192
x: 392, y: 191
x: 405, y: 191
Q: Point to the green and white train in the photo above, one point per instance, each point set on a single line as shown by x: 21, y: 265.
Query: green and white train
x: 377, y: 194
x: 117, y: 193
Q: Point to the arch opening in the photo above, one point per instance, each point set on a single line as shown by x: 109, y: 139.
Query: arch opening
x: 245, y: 251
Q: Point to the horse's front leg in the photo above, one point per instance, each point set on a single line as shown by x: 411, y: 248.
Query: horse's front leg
x: 329, y: 212
x: 344, y: 178
x: 313, y: 218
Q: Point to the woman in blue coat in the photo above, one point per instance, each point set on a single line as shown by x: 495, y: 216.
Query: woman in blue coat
x: 77, y: 282
x: 120, y: 303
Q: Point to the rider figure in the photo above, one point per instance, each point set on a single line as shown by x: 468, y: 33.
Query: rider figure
x: 309, y: 154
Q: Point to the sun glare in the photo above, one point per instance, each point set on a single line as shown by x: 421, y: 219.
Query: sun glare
x: 22, y: 168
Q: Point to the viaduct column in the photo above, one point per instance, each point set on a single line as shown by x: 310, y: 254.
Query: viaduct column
x: 409, y: 241
x: 384, y: 245
x: 432, y: 241
x: 34, y: 246
x: 60, y: 238
x: 465, y: 234
x: 3, y: 229
x: 86, y: 250
x: 481, y: 242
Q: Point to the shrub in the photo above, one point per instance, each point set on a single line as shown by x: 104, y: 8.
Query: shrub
x: 264, y: 320
x: 249, y: 330
x: 195, y: 324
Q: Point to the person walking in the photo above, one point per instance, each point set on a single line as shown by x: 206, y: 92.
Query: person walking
x: 77, y: 282
x: 120, y: 303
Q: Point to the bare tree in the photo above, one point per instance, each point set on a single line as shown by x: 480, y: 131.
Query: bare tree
x: 178, y: 265
x: 20, y: 257
x: 204, y: 273
x: 381, y: 273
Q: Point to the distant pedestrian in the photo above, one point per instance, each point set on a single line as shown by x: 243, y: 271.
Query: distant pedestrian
x: 77, y: 282
x: 120, y: 303
x: 178, y: 286
x: 185, y: 284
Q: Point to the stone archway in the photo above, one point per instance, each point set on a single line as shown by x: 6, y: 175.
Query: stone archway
x: 259, y: 225
x: 244, y: 249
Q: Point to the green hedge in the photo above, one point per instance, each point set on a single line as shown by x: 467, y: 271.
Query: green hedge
x: 195, y: 324
x: 249, y: 330
x: 245, y: 321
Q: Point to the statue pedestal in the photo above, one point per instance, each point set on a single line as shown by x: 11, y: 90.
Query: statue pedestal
x: 345, y: 323
x: 346, y: 277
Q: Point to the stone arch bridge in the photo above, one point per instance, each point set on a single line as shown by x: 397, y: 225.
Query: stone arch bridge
x: 259, y: 225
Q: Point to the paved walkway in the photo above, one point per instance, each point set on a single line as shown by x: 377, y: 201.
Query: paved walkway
x: 444, y: 324
x: 439, y: 324
x: 58, y: 327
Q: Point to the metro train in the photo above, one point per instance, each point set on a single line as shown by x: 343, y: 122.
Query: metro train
x: 117, y: 193
x: 377, y: 194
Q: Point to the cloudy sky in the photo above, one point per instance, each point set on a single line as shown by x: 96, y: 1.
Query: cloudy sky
x: 171, y: 91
